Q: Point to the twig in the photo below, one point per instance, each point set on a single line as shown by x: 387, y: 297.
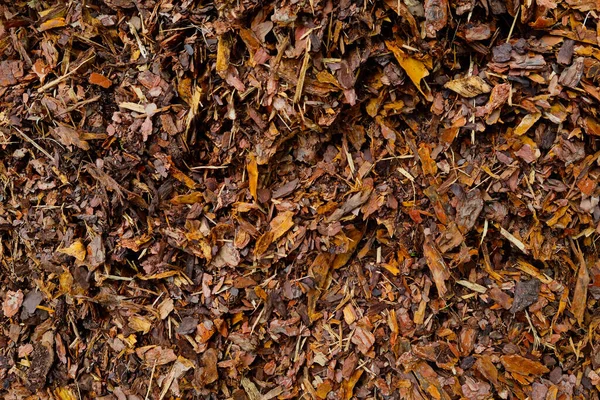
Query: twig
x: 30, y: 140
x: 150, y: 384
x: 55, y: 82
x: 513, y: 25
x: 77, y: 105
x: 302, y: 76
x: 209, y: 167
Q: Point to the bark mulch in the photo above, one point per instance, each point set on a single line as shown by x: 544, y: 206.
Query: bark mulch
x: 319, y: 199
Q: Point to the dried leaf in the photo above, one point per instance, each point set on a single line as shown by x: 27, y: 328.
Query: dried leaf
x: 437, y: 266
x: 178, y: 369
x: 580, y: 294
x: 156, y: 355
x: 100, y: 80
x: 436, y: 16
x: 469, y: 87
x: 527, y: 122
x: 414, y: 68
x: 522, y: 365
x: 253, y: 176
x: 52, y: 23
x: 12, y: 303
x: 281, y: 224
x: 69, y: 137
x: 140, y: 324
x: 473, y: 286
x: 76, y: 249
x: 10, y: 72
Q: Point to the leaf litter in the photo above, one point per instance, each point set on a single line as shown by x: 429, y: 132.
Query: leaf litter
x: 334, y: 200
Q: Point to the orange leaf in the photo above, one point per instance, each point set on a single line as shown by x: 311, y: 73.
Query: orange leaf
x: 100, y: 80
x: 281, y: 224
x: 253, y: 176
x: 427, y: 163
x: 77, y: 250
x: 263, y: 243
x: 52, y: 23
x: 522, y: 365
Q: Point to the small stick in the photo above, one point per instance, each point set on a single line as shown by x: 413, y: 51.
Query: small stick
x: 55, y: 82
x: 513, y: 25
x: 75, y: 106
x: 30, y: 140
x: 150, y: 384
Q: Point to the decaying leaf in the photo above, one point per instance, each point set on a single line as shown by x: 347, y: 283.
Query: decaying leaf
x: 179, y: 368
x: 156, y: 355
x: 437, y: 266
x: 70, y: 137
x: 469, y: 87
x: 436, y: 16
x: 140, y: 324
x: 12, y: 303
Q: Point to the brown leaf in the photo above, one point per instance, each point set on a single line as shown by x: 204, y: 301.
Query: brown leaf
x: 207, y: 372
x: 501, y: 298
x: 156, y: 355
x: 12, y: 303
x: 498, y: 97
x: 522, y: 365
x: 228, y: 255
x: 436, y: 16
x: 437, y: 266
x: 348, y: 385
x: 10, y: 72
x: 485, y: 366
x: 69, y: 137
x: 468, y: 209
x: 526, y: 293
x: 580, y: 294
x: 96, y: 252
x: 263, y: 243
x: 571, y: 76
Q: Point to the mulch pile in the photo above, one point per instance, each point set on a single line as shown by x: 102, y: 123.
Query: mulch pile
x: 383, y: 199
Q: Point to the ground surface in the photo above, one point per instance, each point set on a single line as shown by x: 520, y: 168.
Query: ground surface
x: 318, y: 199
